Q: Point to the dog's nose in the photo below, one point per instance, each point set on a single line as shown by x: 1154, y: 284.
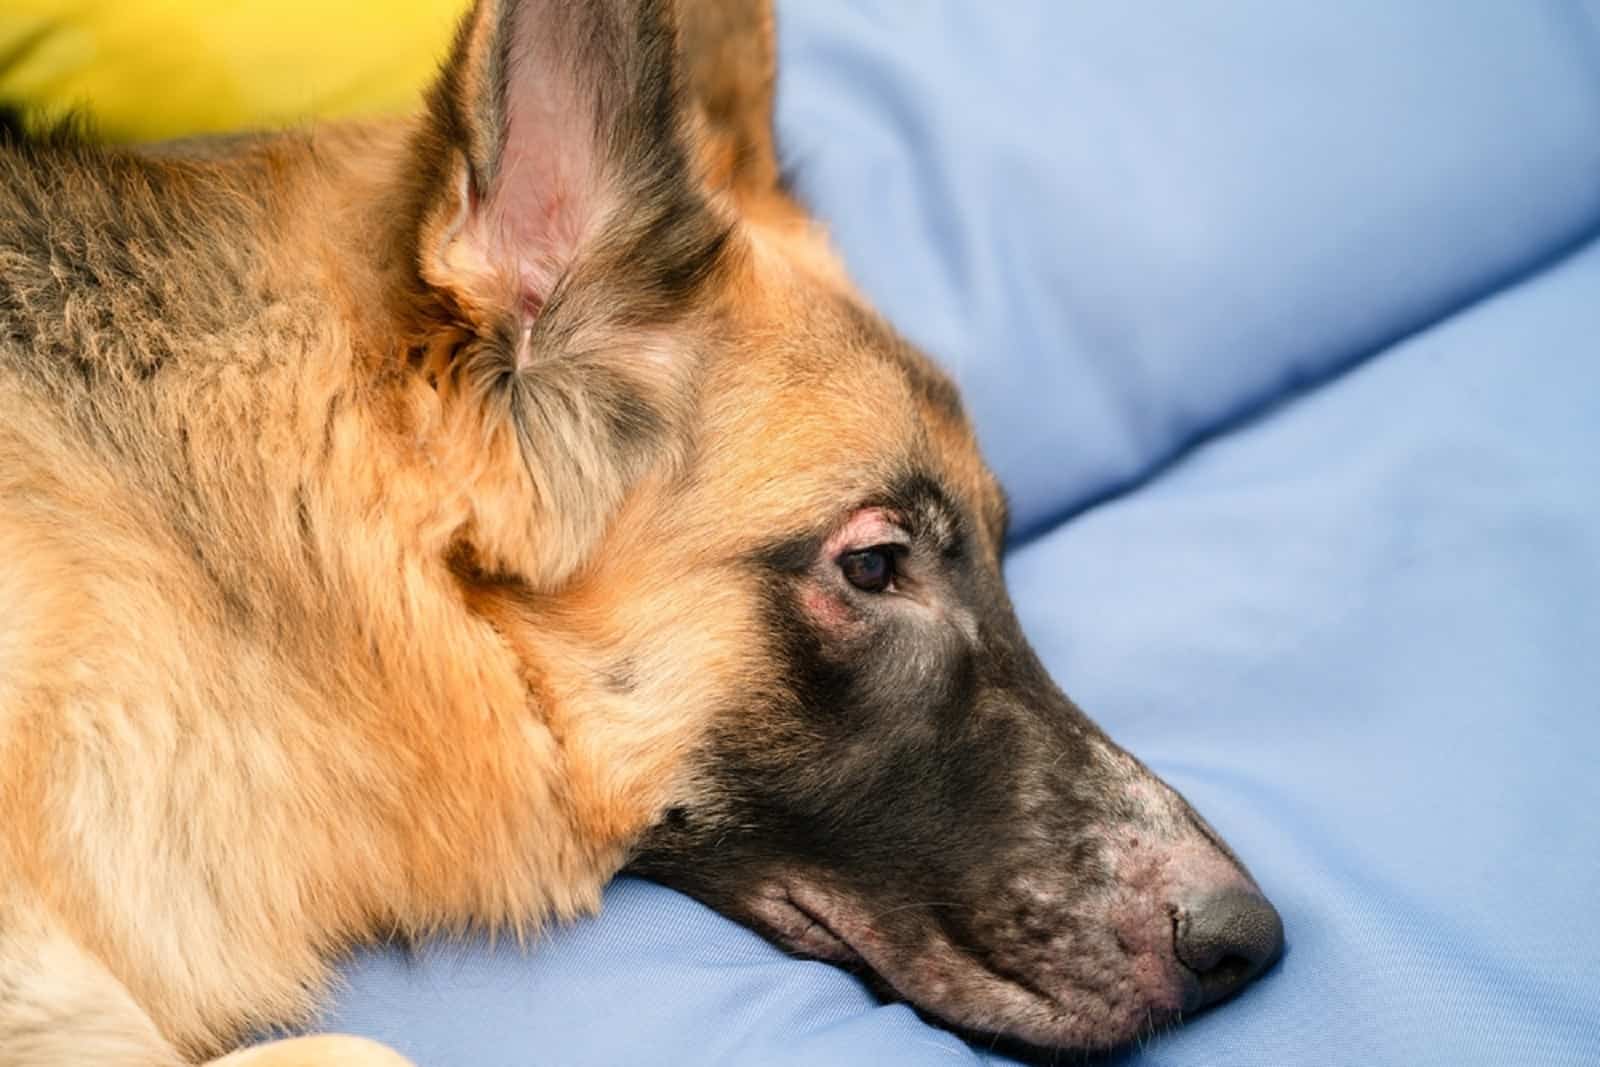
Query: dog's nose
x: 1226, y: 938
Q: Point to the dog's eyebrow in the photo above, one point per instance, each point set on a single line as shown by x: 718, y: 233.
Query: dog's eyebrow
x: 929, y: 511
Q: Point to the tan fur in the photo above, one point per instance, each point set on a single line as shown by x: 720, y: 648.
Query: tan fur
x: 295, y: 649
x: 731, y: 83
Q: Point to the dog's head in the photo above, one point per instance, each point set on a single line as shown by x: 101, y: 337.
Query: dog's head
x: 740, y: 534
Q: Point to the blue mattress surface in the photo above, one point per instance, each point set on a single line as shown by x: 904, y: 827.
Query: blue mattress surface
x: 1281, y: 323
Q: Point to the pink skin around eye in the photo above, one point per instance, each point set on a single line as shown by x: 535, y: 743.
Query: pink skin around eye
x: 827, y: 608
x: 865, y: 529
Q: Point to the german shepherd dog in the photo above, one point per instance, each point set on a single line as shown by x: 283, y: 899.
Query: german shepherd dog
x: 406, y: 525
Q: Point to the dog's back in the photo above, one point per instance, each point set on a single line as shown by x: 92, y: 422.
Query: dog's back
x: 122, y: 280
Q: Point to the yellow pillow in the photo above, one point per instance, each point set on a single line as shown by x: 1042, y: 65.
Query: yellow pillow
x: 151, y: 69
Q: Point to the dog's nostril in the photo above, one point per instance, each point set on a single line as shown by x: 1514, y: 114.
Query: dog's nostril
x: 1226, y: 938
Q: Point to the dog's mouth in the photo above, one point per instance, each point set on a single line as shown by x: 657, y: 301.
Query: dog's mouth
x: 980, y: 993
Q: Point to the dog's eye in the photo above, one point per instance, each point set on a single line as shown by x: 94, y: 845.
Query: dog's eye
x: 869, y: 569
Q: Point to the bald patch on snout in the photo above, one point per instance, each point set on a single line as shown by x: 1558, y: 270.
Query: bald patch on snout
x: 1138, y: 797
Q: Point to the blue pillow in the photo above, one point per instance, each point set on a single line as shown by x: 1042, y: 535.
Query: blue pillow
x: 1124, y: 223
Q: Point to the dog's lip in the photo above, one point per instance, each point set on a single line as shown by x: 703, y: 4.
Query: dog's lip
x: 814, y: 922
x: 800, y: 922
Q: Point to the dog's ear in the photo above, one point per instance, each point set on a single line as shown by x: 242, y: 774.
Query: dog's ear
x: 560, y: 219
x: 730, y: 60
x: 558, y: 133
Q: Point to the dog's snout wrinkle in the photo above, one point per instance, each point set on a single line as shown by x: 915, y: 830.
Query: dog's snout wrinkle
x: 1226, y: 938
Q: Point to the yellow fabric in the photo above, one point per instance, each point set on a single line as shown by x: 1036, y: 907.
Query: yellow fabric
x: 151, y: 69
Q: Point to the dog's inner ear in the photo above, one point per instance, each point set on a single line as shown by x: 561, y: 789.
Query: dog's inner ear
x: 556, y: 136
